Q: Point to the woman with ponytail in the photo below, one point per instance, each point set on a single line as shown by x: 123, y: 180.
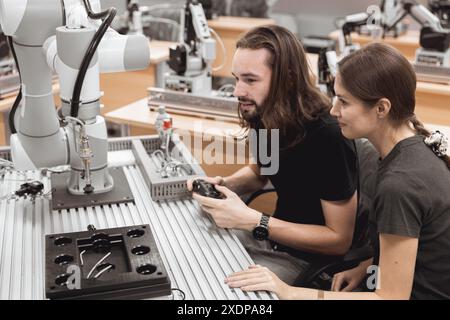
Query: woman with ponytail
x: 410, y: 221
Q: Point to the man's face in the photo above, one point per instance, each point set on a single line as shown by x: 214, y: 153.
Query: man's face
x: 253, y: 77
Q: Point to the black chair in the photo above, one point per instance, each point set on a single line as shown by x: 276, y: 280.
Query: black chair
x: 318, y: 275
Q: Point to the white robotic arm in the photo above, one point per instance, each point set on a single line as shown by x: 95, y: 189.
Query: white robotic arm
x: 63, y: 36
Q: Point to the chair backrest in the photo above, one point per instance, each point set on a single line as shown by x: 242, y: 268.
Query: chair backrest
x: 368, y: 166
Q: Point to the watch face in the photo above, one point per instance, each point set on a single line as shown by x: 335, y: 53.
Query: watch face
x: 260, y: 233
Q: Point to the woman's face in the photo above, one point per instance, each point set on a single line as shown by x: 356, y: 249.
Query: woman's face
x: 355, y: 119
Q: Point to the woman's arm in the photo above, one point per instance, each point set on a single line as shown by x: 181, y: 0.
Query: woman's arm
x: 349, y: 280
x: 396, y: 273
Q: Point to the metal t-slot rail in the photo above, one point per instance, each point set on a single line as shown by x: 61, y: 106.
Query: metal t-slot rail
x: 197, y: 255
x: 214, y: 107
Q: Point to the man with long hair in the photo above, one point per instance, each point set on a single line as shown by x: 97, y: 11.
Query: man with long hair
x: 317, y: 178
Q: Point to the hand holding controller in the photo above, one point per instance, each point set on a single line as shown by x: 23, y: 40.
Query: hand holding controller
x: 206, y: 189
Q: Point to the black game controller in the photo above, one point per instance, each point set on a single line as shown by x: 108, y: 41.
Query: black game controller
x: 206, y: 189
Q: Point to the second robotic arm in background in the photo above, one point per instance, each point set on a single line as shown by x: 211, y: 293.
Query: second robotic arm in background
x: 191, y: 61
x: 441, y: 8
x: 434, y: 38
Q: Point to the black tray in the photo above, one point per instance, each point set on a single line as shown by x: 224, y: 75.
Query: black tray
x: 137, y: 271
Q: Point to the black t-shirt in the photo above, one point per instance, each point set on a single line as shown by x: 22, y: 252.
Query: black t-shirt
x: 412, y: 199
x: 322, y: 166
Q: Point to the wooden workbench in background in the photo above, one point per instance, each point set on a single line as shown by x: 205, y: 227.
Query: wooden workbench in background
x: 406, y: 43
x: 433, y: 103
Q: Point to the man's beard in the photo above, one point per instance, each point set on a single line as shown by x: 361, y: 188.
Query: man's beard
x: 251, y: 117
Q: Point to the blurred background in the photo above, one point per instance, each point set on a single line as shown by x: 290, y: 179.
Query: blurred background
x: 303, y: 17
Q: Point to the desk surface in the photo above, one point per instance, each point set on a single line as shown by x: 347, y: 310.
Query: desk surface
x: 239, y: 24
x: 411, y: 37
x: 406, y: 43
x: 139, y: 114
x: 433, y: 88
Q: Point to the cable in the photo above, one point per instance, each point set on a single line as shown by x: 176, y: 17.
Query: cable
x: 97, y: 264
x: 80, y: 122
x: 222, y: 46
x: 181, y: 291
x: 159, y: 151
x: 183, y: 167
x: 241, y: 135
x: 227, y: 86
x: 81, y: 257
x: 103, y: 271
x: 6, y: 163
x: 19, y: 96
x: 63, y: 168
x: 109, y: 14
x: 49, y: 193
x: 93, y: 15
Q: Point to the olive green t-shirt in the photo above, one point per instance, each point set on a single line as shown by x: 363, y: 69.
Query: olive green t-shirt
x: 412, y: 199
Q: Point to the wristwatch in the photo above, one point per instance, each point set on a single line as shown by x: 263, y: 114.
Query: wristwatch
x: 261, y: 231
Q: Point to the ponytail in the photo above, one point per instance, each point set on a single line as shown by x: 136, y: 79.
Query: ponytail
x: 420, y: 128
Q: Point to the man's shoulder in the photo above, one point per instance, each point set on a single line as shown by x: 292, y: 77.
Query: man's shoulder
x: 323, y: 128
